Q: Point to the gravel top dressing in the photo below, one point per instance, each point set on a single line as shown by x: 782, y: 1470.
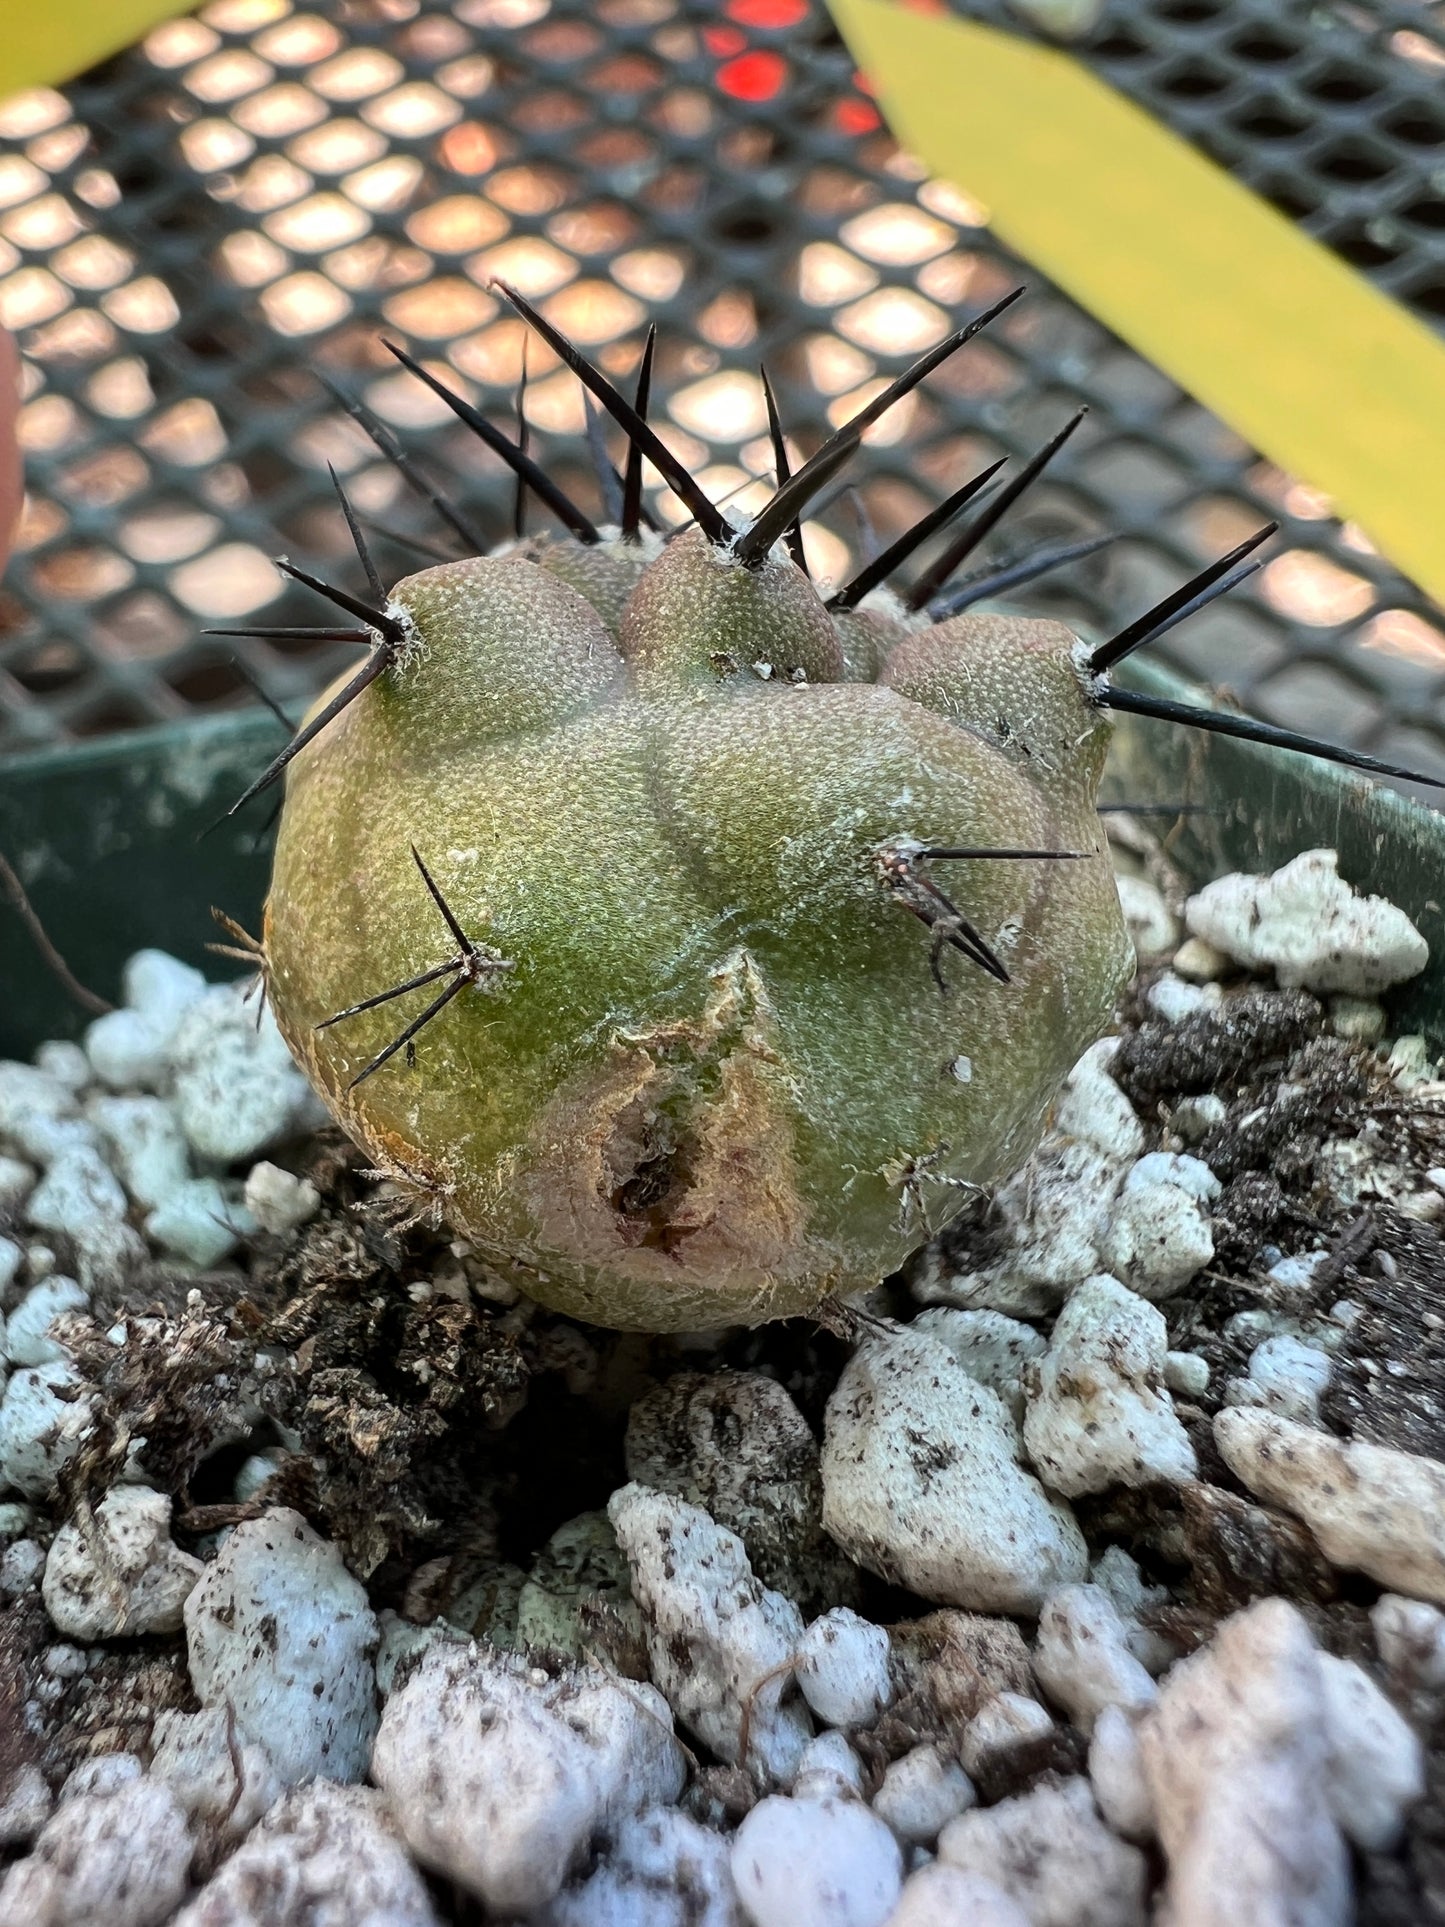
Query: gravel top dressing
x: 1089, y: 1572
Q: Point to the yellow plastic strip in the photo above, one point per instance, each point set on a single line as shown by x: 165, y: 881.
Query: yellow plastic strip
x: 1327, y: 377
x: 47, y: 42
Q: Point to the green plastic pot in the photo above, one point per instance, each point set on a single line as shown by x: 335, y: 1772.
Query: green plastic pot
x: 107, y: 840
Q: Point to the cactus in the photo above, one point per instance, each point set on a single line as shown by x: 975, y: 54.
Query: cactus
x: 690, y: 942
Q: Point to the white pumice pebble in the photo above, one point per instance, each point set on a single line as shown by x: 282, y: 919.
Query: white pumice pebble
x: 1306, y: 924
x: 34, y: 1106
x: 1152, y: 924
x: 1116, y: 1773
x: 401, y: 1643
x: 40, y: 1262
x: 1173, y: 998
x: 127, y: 1050
x: 12, y: 1256
x: 324, y: 1856
x: 21, y: 1565
x: 1360, y: 1019
x: 1297, y: 1273
x: 81, y: 1197
x: 1410, y: 1639
x: 121, y: 1859
x: 499, y: 1774
x: 1238, y: 1764
x: 1190, y: 1175
x: 1052, y: 1215
x: 65, y: 1662
x: 277, y: 1628
x: 27, y: 1326
x: 17, y: 1181
x: 278, y: 1200
x: 1082, y: 1656
x: 1200, y: 963
x: 921, y: 1793
x: 1377, y: 1764
x: 922, y: 1483
x: 828, y: 1766
x: 102, y: 1776
x: 125, y: 1577
x: 235, y: 1089
x: 640, y: 1761
x: 44, y: 1418
x: 815, y: 1863
x: 581, y: 1562
x: 989, y: 1346
x: 1186, y: 1373
x: 144, y: 1144
x: 67, y: 1063
x: 842, y: 1668
x: 1099, y: 1413
x: 1425, y: 1207
x: 255, y: 1471
x: 1411, y: 1062
x: 161, y: 985
x: 1372, y: 1509
x: 200, y: 1221
x: 1159, y: 1238
x: 1286, y: 1376
x: 27, y: 1339
x: 940, y: 1896
x: 1006, y: 1725
x: 1118, y: 1574
x: 26, y: 1806
x: 719, y: 1641
x: 45, y: 1137
x: 1094, y: 1110
x: 216, y: 1776
x: 1251, y: 1328
x: 736, y: 1444
x: 663, y: 1870
x: 1049, y: 1851
x: 1193, y: 1118
x: 16, y: 1520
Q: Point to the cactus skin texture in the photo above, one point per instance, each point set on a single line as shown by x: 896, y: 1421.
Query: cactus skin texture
x: 719, y: 1083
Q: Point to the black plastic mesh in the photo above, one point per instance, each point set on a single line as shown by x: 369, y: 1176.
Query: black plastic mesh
x: 256, y: 192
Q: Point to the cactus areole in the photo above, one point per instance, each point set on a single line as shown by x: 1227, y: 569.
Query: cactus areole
x: 741, y: 936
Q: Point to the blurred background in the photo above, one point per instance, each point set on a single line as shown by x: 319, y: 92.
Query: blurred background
x: 257, y: 192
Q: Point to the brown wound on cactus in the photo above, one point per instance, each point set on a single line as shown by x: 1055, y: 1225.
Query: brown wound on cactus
x: 673, y: 1163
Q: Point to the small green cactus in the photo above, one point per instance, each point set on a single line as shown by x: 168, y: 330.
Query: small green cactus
x: 690, y: 943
